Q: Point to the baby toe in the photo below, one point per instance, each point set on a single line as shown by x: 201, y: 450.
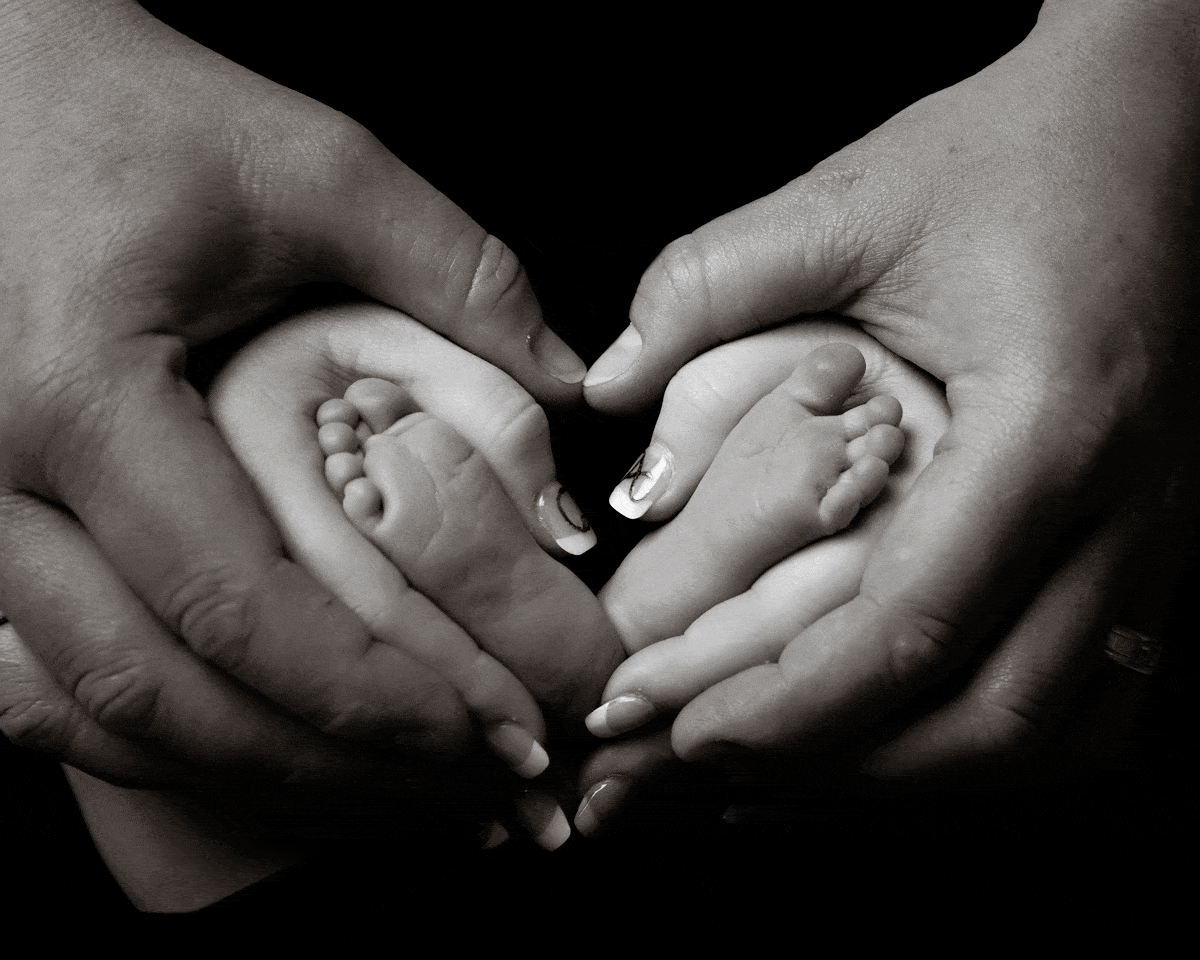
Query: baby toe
x: 337, y: 437
x: 883, y: 441
x: 380, y: 402
x: 363, y: 502
x: 337, y: 410
x: 875, y: 412
x: 341, y: 468
x: 854, y: 489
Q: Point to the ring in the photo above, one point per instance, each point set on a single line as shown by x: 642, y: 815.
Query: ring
x: 1137, y: 651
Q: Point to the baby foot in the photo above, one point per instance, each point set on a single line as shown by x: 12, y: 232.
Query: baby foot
x: 793, y: 470
x: 433, y: 506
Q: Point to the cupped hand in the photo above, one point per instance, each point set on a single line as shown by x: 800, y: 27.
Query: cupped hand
x: 157, y: 196
x: 1028, y: 237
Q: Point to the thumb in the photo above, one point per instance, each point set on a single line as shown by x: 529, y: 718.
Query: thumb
x: 367, y: 220
x: 806, y: 248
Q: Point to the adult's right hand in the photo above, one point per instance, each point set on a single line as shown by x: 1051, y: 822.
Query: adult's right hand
x: 157, y: 196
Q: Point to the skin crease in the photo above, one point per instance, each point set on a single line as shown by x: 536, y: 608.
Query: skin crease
x: 1028, y: 237
x: 125, y: 519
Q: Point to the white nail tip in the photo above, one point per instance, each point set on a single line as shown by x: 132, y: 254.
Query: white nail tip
x: 621, y: 502
x: 537, y: 761
x: 597, y: 722
x: 557, y: 832
x: 578, y: 543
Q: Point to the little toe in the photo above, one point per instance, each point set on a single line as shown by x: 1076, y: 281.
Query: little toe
x: 363, y: 503
x: 855, y: 488
x: 380, y: 403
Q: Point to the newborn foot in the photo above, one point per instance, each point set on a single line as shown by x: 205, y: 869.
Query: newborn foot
x: 793, y: 470
x: 433, y: 506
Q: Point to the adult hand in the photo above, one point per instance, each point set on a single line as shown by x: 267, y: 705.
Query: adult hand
x: 157, y: 196
x: 1029, y: 238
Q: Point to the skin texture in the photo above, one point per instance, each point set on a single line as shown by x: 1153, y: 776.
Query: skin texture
x: 157, y: 196
x: 1028, y: 237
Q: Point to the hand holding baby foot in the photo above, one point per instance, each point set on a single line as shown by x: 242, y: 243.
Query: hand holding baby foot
x: 156, y: 197
x: 690, y: 642
x: 435, y: 536
x: 795, y: 468
x: 1028, y: 238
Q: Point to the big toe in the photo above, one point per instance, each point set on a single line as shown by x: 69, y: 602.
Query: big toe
x: 824, y: 380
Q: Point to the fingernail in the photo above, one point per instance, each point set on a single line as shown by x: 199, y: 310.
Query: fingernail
x: 600, y: 803
x: 643, y: 483
x: 515, y: 746
x: 491, y: 836
x: 616, y: 359
x: 544, y: 820
x: 555, y: 357
x: 560, y: 514
x: 620, y: 715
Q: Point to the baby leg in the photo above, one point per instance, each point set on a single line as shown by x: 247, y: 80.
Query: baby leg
x: 793, y: 470
x: 433, y: 506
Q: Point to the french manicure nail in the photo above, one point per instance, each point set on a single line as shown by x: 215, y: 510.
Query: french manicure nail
x: 515, y: 746
x: 599, y: 803
x: 620, y: 715
x: 616, y: 359
x: 544, y: 820
x: 555, y: 357
x: 561, y: 516
x: 643, y: 483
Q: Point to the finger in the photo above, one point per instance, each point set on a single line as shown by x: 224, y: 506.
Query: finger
x: 390, y: 234
x: 147, y: 468
x: 133, y: 688
x: 803, y: 249
x: 1015, y: 708
x: 279, y: 448
x: 613, y: 774
x: 36, y: 714
x: 751, y: 628
x: 924, y: 596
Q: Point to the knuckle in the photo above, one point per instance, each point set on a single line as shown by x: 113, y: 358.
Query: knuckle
x: 340, y: 144
x: 216, y: 617
x: 36, y: 723
x: 495, y: 275
x: 121, y: 695
x: 1006, y: 729
x: 682, y: 270
x: 919, y: 650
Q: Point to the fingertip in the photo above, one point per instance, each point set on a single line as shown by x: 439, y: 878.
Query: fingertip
x: 555, y: 358
x: 617, y: 360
